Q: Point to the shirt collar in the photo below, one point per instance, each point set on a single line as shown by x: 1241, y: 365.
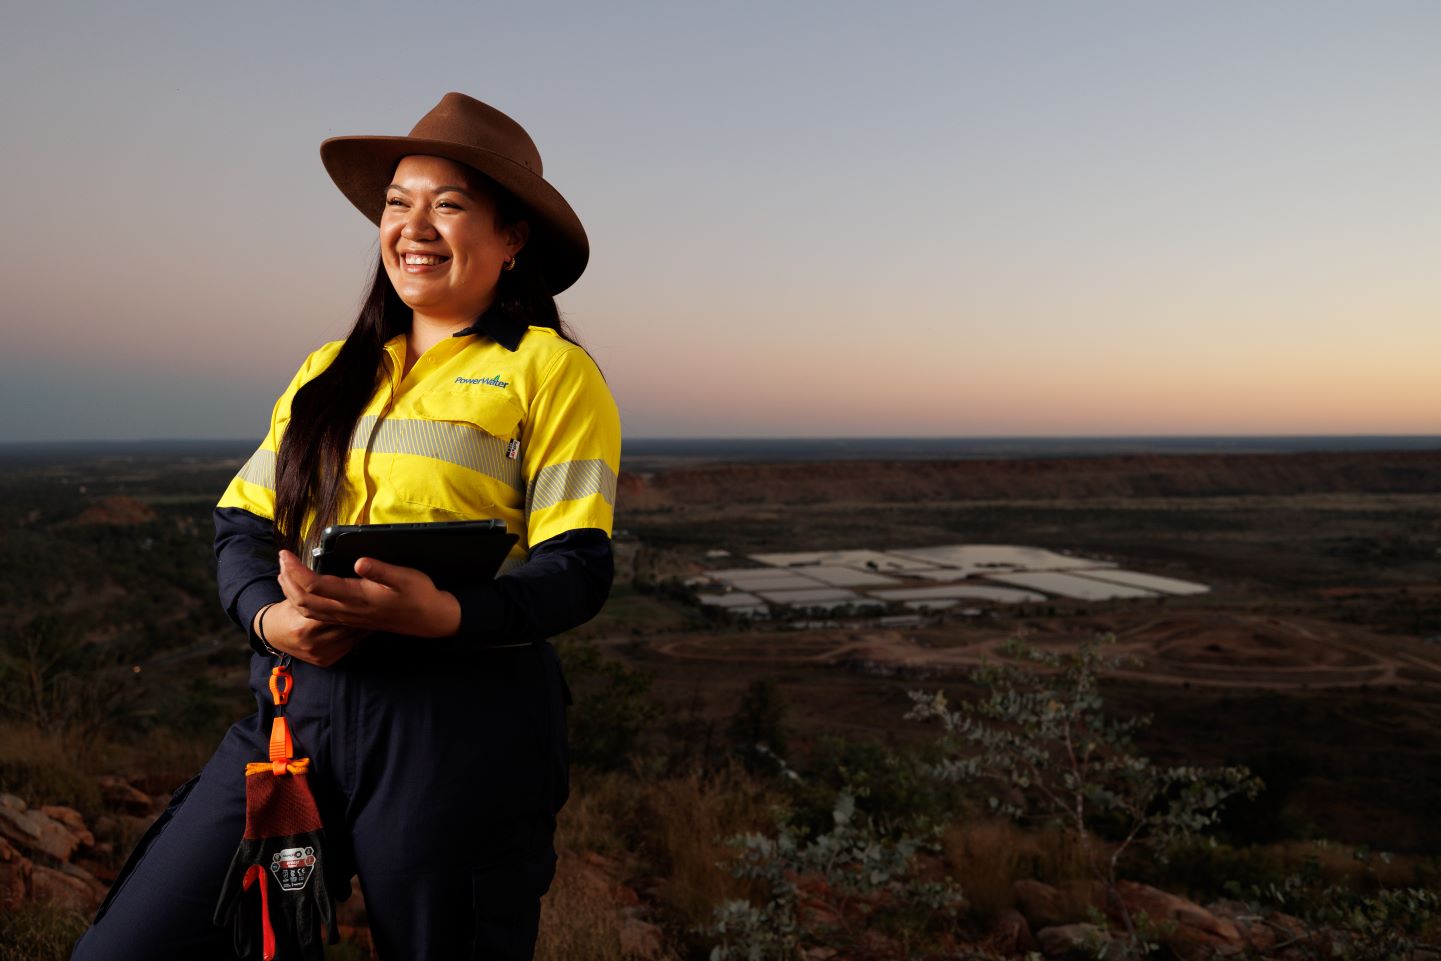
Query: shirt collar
x: 506, y: 333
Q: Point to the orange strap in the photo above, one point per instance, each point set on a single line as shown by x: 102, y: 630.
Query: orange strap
x: 300, y: 765
x: 267, y: 931
x: 281, y: 748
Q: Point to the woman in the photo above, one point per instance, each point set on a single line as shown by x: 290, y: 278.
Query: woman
x: 434, y: 720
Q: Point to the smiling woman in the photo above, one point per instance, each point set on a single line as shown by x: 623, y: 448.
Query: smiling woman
x: 444, y: 244
x: 434, y: 720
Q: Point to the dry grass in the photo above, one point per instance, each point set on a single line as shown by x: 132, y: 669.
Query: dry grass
x: 600, y: 814
x: 44, y: 768
x: 664, y: 835
x: 579, y: 917
x: 686, y: 820
x: 163, y: 759
x: 39, y: 932
x: 989, y: 856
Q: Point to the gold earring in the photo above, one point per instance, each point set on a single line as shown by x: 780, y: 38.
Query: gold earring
x: 508, y: 265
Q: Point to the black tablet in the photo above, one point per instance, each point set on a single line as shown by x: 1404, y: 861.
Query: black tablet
x: 453, y: 553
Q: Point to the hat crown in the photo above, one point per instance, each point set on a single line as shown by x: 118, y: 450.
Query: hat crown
x: 466, y: 121
x: 466, y: 131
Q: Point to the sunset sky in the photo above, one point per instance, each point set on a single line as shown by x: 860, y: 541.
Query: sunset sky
x: 806, y: 219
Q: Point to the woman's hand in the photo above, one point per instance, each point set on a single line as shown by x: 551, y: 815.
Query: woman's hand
x: 385, y: 597
x: 289, y: 631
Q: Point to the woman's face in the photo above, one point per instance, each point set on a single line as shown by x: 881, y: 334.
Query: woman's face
x: 440, y: 241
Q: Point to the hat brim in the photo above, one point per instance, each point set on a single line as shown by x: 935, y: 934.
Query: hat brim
x: 362, y: 167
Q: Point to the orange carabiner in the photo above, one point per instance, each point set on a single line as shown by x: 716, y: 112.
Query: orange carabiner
x: 281, y: 684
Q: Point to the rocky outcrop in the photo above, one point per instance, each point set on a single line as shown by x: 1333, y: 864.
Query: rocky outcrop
x: 1077, y: 941
x: 1011, y: 936
x: 35, y: 831
x: 121, y: 795
x: 1044, y: 905
x: 37, y: 846
x: 1193, y: 933
x: 15, y: 873
x: 1060, y: 919
x: 51, y: 855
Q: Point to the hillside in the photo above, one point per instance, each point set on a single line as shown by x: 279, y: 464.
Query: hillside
x: 1149, y: 475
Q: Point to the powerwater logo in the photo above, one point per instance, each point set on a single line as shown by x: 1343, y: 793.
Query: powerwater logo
x: 492, y: 381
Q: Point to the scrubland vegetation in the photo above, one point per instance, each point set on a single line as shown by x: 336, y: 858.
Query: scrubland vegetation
x: 870, y: 851
x: 1022, y: 802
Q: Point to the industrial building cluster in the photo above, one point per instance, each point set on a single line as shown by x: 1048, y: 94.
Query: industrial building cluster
x: 923, y: 579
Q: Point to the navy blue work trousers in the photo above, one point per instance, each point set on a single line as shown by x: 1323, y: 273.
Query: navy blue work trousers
x: 438, y: 768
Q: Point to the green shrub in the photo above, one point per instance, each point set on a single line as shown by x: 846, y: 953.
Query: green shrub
x: 613, y: 706
x: 894, y: 787
x: 833, y: 889
x: 1366, y: 922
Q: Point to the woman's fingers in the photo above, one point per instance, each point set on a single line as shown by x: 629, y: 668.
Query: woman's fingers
x: 384, y: 597
x: 295, y: 578
x: 321, y: 596
x: 392, y: 576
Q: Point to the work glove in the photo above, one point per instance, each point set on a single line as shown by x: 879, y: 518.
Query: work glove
x: 276, y: 884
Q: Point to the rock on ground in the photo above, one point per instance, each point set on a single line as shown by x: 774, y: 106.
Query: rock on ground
x: 34, y: 831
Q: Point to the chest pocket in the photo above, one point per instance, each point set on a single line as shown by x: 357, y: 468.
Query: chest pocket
x: 456, y: 450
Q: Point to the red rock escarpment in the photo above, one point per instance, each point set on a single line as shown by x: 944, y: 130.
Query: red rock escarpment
x: 1148, y: 475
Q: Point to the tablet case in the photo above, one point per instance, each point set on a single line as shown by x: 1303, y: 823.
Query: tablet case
x: 453, y: 553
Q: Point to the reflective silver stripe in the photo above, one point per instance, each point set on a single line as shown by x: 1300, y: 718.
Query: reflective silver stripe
x: 360, y: 437
x: 464, y: 445
x: 570, y: 481
x: 260, y: 469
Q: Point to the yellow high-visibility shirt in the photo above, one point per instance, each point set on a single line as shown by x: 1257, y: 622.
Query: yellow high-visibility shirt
x: 474, y: 430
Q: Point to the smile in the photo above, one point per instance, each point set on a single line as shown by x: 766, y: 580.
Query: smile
x: 423, y: 260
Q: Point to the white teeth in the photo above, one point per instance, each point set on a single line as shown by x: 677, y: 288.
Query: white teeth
x: 422, y: 260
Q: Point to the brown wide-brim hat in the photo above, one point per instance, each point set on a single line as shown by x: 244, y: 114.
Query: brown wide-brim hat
x: 463, y: 129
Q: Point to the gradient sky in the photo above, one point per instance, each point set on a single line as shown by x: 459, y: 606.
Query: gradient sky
x: 819, y: 219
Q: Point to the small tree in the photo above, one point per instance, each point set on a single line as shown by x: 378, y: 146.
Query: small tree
x: 760, y: 720
x: 1040, y: 736
x: 613, y: 706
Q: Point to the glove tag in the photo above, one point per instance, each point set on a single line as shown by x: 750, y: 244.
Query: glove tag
x: 292, y: 867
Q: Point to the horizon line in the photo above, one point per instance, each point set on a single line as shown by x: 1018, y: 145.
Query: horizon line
x: 754, y: 438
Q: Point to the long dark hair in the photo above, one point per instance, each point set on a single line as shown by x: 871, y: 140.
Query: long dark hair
x: 310, y: 465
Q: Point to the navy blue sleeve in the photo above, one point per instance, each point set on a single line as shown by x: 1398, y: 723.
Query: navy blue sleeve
x: 247, y: 566
x: 563, y: 584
